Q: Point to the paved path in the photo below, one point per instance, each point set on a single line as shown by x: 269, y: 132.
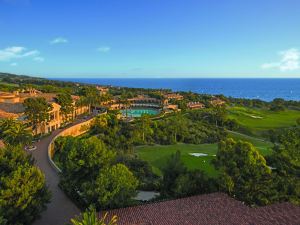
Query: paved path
x: 61, y: 208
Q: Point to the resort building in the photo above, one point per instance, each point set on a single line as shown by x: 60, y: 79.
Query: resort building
x: 144, y: 101
x: 174, y: 96
x: 217, y: 102
x: 78, y: 109
x: 6, y: 97
x: 117, y: 106
x: 20, y: 96
x: 109, y: 102
x: 31, y: 91
x: 209, y: 209
x: 169, y: 108
x: 171, y: 96
x: 54, y: 122
x: 11, y: 106
x: 55, y: 118
x: 195, y: 105
x: 103, y: 90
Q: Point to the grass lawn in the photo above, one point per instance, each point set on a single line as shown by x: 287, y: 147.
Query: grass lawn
x: 157, y: 155
x: 264, y: 147
x: 8, y: 84
x: 262, y: 120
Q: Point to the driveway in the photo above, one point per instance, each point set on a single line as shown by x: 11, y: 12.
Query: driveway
x: 61, y: 208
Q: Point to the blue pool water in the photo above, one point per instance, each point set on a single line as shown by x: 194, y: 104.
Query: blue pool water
x: 139, y: 112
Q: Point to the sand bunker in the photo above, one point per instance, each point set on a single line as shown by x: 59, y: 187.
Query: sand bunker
x: 256, y: 117
x: 198, y: 154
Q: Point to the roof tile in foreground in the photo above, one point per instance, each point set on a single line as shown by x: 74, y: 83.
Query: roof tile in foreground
x: 210, y: 209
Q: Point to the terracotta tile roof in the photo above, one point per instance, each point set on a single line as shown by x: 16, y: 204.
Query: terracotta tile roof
x: 210, y: 209
x: 75, y: 97
x: 173, y: 96
x: 193, y: 105
x: 281, y: 213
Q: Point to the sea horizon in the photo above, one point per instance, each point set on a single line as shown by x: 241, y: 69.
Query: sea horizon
x: 265, y: 89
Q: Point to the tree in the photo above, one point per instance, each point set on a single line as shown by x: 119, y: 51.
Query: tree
x: 114, y: 187
x: 245, y: 173
x: 172, y: 170
x: 88, y: 168
x: 3, y: 221
x: 286, y: 163
x: 215, y: 116
x: 82, y: 158
x: 66, y: 102
x: 178, y: 181
x: 91, y: 96
x: 145, y: 126
x: 81, y: 102
x: 232, y: 124
x: 17, y: 134
x: 193, y: 182
x: 23, y: 191
x: 142, y: 170
x: 100, y: 123
x: 37, y: 111
x: 105, y: 98
x: 298, y: 121
x: 124, y: 100
x: 89, y: 217
x: 177, y: 126
x: 5, y: 124
x: 277, y: 104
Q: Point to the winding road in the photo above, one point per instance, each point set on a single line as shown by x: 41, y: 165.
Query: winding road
x: 61, y: 209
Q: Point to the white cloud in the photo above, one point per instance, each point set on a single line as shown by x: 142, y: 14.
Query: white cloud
x: 290, y: 60
x: 31, y: 53
x: 14, y: 64
x: 39, y: 59
x: 59, y: 40
x: 103, y: 49
x: 10, y: 53
x: 17, y: 52
x: 15, y: 49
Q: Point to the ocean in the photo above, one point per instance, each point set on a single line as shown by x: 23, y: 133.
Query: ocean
x: 264, y: 89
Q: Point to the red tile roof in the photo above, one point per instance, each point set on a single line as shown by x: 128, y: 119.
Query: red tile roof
x: 210, y: 209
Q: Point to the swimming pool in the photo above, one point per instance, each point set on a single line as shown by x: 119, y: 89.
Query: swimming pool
x: 139, y: 112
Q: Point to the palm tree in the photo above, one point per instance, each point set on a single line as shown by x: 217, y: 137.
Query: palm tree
x: 125, y: 102
x: 91, y: 97
x: 80, y: 103
x: 89, y: 217
x: 17, y: 134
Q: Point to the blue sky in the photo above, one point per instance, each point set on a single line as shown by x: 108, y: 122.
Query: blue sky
x: 150, y: 38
